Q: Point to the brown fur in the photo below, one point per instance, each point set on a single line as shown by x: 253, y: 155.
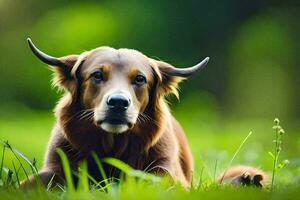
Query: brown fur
x: 155, y: 143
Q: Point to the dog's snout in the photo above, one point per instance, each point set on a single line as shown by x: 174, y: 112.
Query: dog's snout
x: 118, y: 102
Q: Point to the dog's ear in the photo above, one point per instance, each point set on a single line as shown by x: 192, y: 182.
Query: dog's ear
x: 169, y: 76
x: 65, y: 67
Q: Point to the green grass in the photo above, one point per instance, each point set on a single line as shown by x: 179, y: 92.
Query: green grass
x: 213, y: 142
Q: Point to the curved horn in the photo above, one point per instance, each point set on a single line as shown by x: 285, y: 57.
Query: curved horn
x: 185, y: 72
x: 44, y: 57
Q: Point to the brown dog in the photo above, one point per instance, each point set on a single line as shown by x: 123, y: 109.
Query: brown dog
x: 114, y: 105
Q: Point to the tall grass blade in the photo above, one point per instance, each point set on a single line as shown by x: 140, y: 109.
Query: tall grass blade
x: 2, y: 161
x: 83, y: 177
x: 16, y: 173
x: 235, y: 154
x: 31, y: 163
x: 215, y: 170
x: 67, y: 170
x: 100, y: 167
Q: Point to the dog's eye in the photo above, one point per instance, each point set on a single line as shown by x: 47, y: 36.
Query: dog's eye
x: 97, y: 76
x: 139, y: 80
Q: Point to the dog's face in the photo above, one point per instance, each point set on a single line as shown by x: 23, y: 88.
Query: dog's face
x: 115, y: 84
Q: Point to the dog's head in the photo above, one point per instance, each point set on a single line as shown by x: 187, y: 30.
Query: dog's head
x: 114, y: 85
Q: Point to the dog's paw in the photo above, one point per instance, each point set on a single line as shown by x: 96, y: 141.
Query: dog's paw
x: 247, y: 179
x: 244, y: 176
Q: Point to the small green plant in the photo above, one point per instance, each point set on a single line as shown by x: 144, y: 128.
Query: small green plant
x: 10, y: 178
x: 279, y: 131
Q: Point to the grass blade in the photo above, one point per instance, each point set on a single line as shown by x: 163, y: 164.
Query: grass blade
x: 16, y: 173
x: 50, y: 183
x: 2, y: 161
x: 83, y: 177
x: 100, y: 167
x: 67, y: 169
x: 235, y: 154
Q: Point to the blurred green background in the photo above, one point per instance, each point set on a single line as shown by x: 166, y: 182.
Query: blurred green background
x: 252, y: 77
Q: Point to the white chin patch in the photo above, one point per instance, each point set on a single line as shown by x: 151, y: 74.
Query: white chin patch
x: 111, y: 128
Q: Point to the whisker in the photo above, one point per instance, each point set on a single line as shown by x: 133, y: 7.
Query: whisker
x: 87, y: 115
x: 79, y: 114
x: 142, y: 117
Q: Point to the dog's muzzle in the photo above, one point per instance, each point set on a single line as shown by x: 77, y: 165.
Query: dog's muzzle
x: 115, y: 119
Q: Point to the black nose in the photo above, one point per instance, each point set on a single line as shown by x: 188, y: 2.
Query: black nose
x: 118, y: 102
